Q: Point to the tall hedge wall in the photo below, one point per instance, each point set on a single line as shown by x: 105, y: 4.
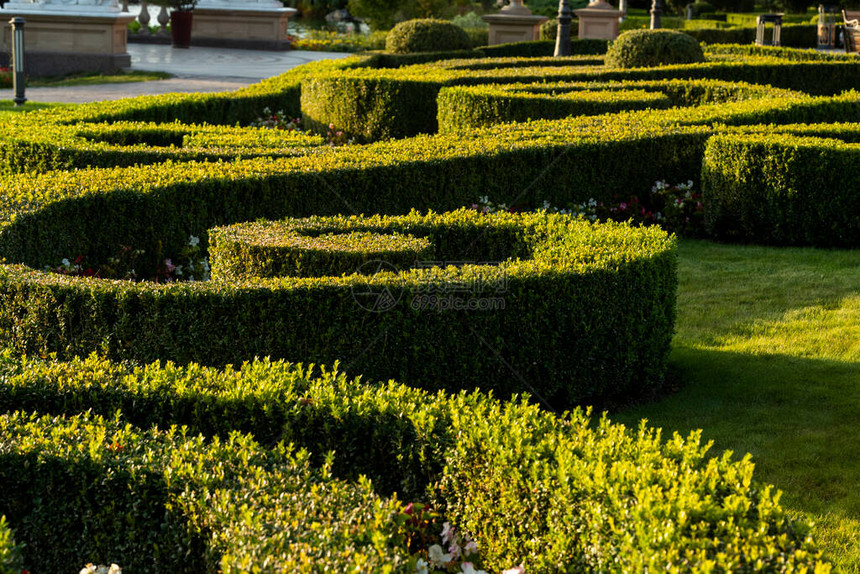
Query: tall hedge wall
x: 782, y: 189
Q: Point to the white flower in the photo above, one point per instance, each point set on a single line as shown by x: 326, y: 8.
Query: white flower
x: 469, y: 568
x: 88, y: 569
x: 447, y: 532
x: 470, y: 548
x: 437, y: 556
x: 66, y: 263
x: 518, y: 570
x: 193, y: 241
x: 421, y: 566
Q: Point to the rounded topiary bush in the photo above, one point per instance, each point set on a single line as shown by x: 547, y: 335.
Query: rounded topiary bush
x: 648, y: 48
x: 426, y: 35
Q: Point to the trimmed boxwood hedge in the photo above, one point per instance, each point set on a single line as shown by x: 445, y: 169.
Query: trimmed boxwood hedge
x: 653, y: 47
x: 426, y: 35
x: 379, y: 104
x: 782, y: 189
x: 465, y: 107
x: 295, y: 249
x: 45, y: 218
x: 84, y: 489
x: 548, y: 308
x: 599, y: 496
x: 37, y: 143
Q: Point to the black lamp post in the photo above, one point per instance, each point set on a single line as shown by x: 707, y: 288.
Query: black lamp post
x: 562, y: 37
x: 656, y: 12
x: 18, y: 60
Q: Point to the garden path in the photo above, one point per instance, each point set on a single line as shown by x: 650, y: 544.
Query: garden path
x: 196, y: 69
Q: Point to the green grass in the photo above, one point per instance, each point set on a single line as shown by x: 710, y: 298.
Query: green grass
x: 93, y: 79
x: 767, y: 355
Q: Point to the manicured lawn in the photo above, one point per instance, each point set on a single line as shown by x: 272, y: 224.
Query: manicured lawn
x: 767, y: 360
x: 98, y: 78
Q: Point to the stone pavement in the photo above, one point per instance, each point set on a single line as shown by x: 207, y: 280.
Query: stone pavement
x: 196, y: 69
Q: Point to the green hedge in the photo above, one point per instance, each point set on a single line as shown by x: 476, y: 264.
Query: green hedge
x: 782, y: 190
x: 599, y: 496
x: 471, y: 107
x: 466, y: 107
x: 298, y: 248
x: 792, y: 36
x: 34, y: 143
x: 11, y: 561
x: 83, y: 489
x: 373, y: 104
x: 544, y: 48
x: 652, y: 48
x: 46, y: 218
x: 411, y: 326
x: 225, y: 108
x: 426, y: 35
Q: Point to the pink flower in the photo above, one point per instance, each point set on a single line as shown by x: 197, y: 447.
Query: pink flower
x: 517, y: 570
x: 623, y: 206
x: 447, y: 532
x: 168, y: 264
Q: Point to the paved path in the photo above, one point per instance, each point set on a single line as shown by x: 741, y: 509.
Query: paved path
x: 195, y: 70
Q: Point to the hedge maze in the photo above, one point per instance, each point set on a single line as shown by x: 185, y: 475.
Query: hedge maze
x: 270, y: 419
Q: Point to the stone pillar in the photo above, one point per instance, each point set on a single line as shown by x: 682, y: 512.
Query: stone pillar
x: 251, y: 24
x: 514, y: 23
x: 598, y: 20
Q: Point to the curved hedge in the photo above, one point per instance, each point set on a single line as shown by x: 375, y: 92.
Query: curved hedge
x: 600, y: 497
x: 292, y: 249
x: 546, y: 305
x: 466, y: 107
x: 40, y: 144
x: 379, y: 104
x: 782, y: 189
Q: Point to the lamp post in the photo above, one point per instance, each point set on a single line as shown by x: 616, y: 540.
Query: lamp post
x: 18, y: 60
x: 656, y: 12
x: 562, y: 37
